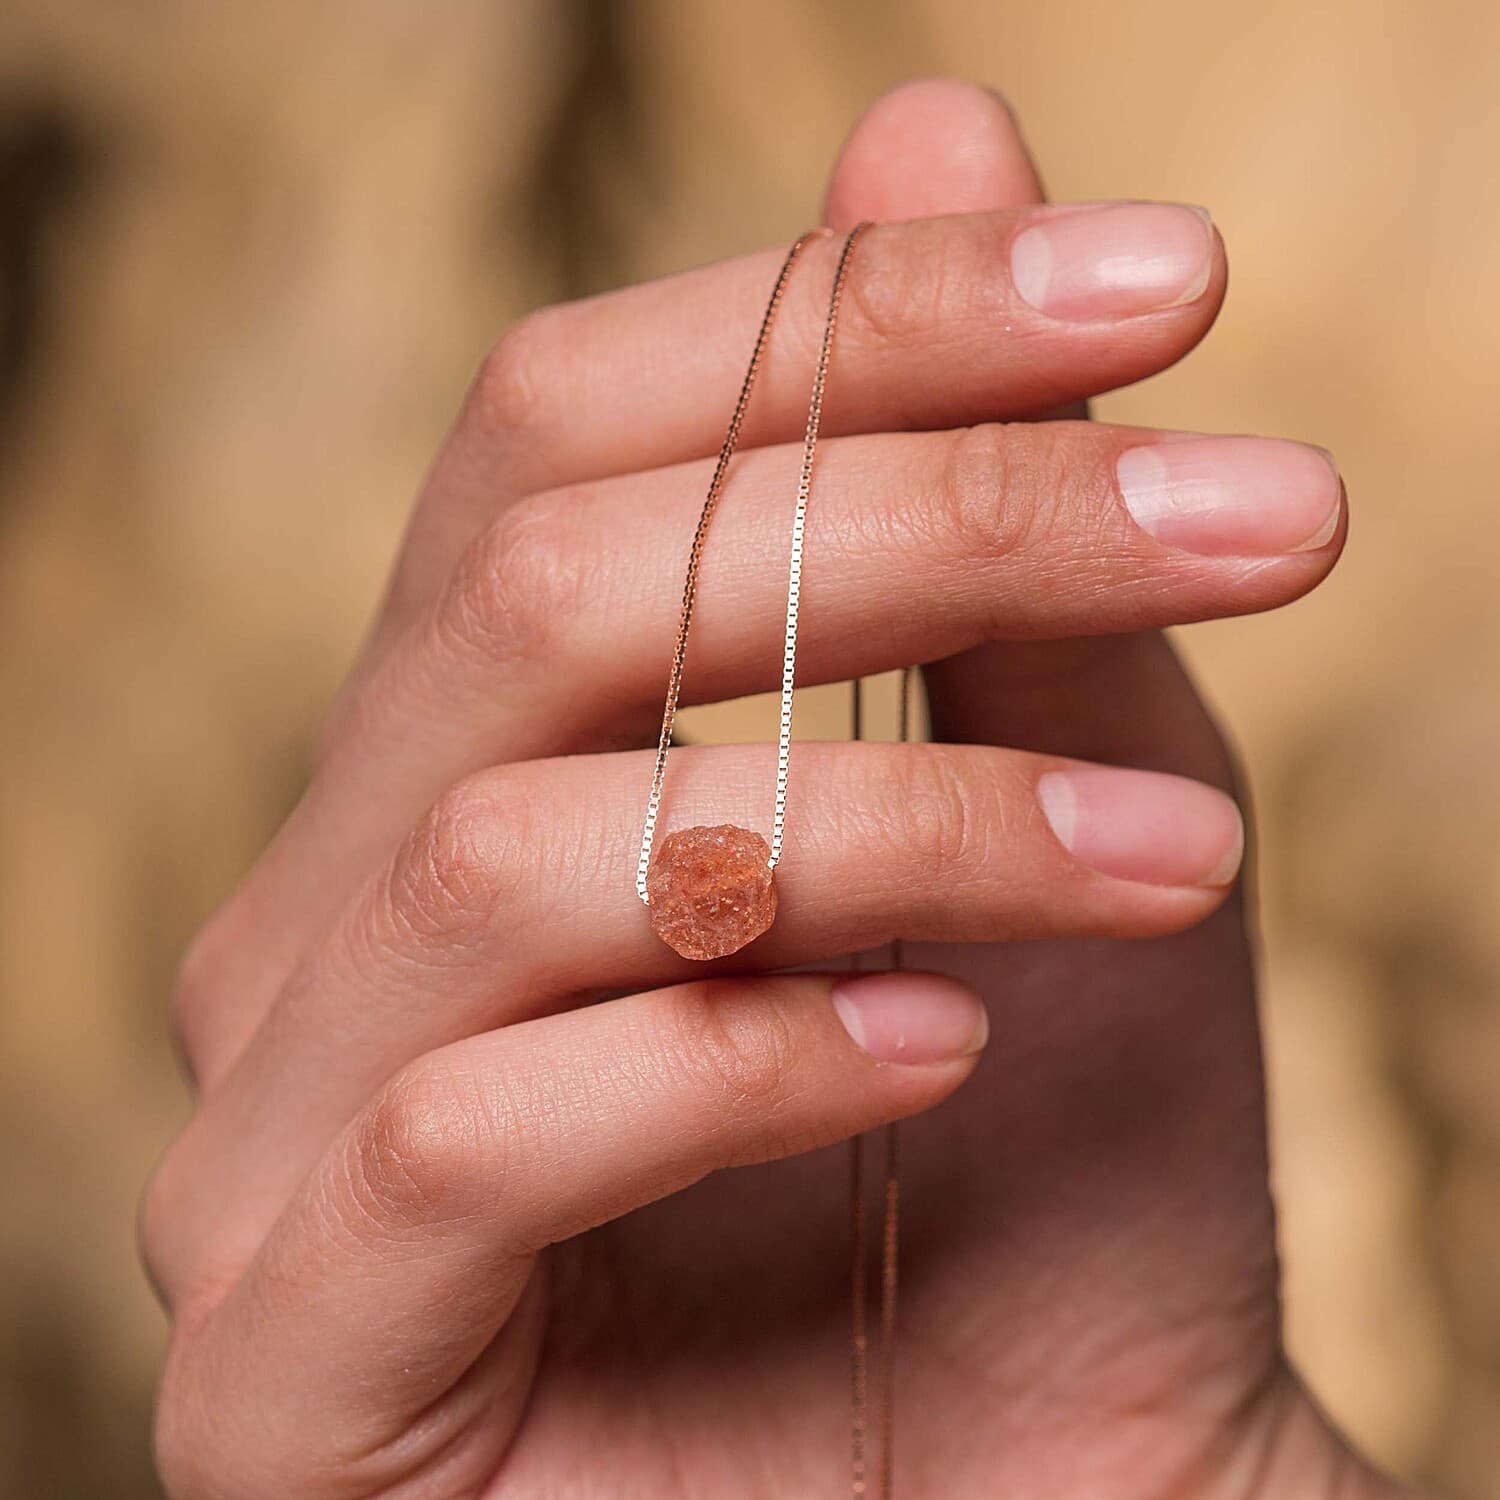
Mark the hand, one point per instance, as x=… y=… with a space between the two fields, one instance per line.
x=442 y=1227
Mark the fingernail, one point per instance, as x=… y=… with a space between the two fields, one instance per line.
x=1245 y=496
x=911 y=1018
x=1144 y=826
x=1114 y=261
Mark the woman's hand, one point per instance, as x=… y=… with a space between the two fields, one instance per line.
x=441 y=1226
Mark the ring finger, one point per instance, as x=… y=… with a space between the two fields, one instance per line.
x=552 y=634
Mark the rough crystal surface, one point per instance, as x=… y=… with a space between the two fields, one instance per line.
x=710 y=890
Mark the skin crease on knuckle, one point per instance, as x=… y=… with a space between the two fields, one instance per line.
x=507 y=399
x=988 y=502
x=948 y=822
x=468 y=862
x=943 y=820
x=422 y=1156
x=515 y=590
x=920 y=277
x=741 y=1048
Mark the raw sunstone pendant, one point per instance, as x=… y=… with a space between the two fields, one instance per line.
x=711 y=890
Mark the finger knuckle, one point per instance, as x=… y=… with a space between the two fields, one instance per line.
x=414 y=1159
x=738 y=1047
x=517 y=589
x=920 y=282
x=942 y=815
x=460 y=868
x=506 y=395
x=989 y=485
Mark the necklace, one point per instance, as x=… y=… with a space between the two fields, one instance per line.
x=711 y=890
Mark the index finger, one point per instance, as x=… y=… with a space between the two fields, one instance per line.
x=947 y=322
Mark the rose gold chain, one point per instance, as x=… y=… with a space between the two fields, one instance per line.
x=794 y=578
x=799 y=524
x=695 y=552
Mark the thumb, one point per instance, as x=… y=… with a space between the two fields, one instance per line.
x=927 y=147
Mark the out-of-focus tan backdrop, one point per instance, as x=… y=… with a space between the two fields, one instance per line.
x=250 y=255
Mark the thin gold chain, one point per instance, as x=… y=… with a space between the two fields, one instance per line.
x=695 y=552
x=794 y=571
x=799 y=525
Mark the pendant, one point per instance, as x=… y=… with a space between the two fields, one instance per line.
x=711 y=890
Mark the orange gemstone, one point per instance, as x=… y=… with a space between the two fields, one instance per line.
x=710 y=890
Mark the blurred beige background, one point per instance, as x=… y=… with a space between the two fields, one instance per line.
x=250 y=255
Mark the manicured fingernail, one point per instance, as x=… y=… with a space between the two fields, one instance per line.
x=911 y=1018
x=1115 y=261
x=1144 y=826
x=1245 y=496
